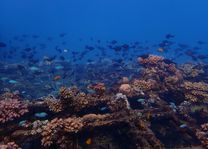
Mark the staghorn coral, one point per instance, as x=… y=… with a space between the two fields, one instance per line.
x=158 y=123
x=38 y=126
x=10 y=145
x=196 y=91
x=11 y=109
x=49 y=133
x=150 y=60
x=57 y=127
x=144 y=85
x=202 y=135
x=161 y=74
x=9 y=95
x=191 y=70
x=53 y=104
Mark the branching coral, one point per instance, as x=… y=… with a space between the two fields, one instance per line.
x=150 y=60
x=196 y=91
x=53 y=104
x=38 y=126
x=11 y=109
x=57 y=127
x=191 y=71
x=10 y=145
x=203 y=135
x=143 y=111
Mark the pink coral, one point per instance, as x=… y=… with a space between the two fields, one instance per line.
x=11 y=109
x=125 y=88
x=151 y=59
x=10 y=145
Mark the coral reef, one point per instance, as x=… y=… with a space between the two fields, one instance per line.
x=202 y=135
x=159 y=108
x=11 y=109
x=196 y=91
x=191 y=70
x=10 y=145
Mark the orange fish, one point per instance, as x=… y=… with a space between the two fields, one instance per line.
x=56 y=78
x=88 y=141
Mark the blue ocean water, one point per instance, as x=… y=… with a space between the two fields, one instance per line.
x=89 y=32
x=104 y=74
x=125 y=21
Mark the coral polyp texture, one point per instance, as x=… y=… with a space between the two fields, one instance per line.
x=11 y=109
x=163 y=105
x=10 y=145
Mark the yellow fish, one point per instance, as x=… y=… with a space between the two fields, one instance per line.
x=88 y=141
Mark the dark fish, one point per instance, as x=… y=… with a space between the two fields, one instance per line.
x=125 y=46
x=90 y=60
x=183 y=46
x=24 y=35
x=15 y=37
x=201 y=42
x=202 y=57
x=42 y=45
x=169 y=36
x=58 y=50
x=35 y=36
x=34 y=61
x=164 y=43
x=62 y=34
x=191 y=54
x=117 y=48
x=113 y=42
x=50 y=38
x=75 y=53
x=62 y=58
x=89 y=48
x=28 y=49
x=2 y=45
x=23 y=56
x=21 y=67
x=64 y=43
